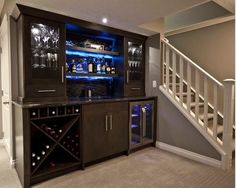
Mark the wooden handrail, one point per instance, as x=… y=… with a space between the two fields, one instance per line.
x=192 y=63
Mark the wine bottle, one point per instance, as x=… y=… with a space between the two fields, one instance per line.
x=43 y=152
x=33 y=155
x=38 y=158
x=33 y=164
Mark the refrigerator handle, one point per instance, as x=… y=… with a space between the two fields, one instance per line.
x=144 y=121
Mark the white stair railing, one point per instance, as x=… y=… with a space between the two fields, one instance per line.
x=190 y=85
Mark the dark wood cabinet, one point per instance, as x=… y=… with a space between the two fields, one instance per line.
x=134 y=51
x=104 y=130
x=42 y=58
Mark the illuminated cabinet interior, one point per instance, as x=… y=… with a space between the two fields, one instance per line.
x=94 y=63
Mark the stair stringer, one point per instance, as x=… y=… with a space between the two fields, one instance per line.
x=199 y=127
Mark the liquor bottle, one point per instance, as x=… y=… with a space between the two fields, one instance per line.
x=113 y=70
x=103 y=68
x=67 y=67
x=99 y=66
x=108 y=69
x=73 y=66
x=90 y=66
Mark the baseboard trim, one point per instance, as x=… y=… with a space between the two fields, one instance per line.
x=189 y=154
x=12 y=163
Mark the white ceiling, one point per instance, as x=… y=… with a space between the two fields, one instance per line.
x=123 y=14
x=1 y=5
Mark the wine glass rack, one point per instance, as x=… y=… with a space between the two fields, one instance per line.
x=55 y=139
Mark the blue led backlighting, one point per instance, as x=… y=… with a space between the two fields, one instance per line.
x=85 y=54
x=88 y=77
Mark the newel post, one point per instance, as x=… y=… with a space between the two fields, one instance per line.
x=228 y=121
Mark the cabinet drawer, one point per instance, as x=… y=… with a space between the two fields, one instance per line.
x=45 y=91
x=134 y=90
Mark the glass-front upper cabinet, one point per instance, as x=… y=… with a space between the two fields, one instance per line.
x=44 y=64
x=135 y=67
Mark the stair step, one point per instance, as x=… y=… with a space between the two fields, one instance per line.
x=193 y=104
x=219 y=128
x=209 y=116
x=185 y=94
x=177 y=84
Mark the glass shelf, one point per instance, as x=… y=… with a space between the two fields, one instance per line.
x=89 y=50
x=68 y=75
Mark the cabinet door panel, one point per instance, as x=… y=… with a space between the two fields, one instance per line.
x=135 y=67
x=118 y=125
x=44 y=56
x=95 y=133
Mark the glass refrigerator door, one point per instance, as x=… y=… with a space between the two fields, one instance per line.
x=44 y=51
x=135 y=59
x=135 y=124
x=148 y=121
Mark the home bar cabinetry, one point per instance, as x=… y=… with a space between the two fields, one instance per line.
x=78 y=82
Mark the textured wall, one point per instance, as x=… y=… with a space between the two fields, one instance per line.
x=172 y=127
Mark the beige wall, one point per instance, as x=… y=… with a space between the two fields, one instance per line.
x=211 y=48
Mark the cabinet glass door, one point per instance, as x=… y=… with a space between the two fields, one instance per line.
x=135 y=125
x=135 y=61
x=148 y=121
x=45 y=51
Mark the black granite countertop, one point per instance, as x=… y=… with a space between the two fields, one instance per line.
x=77 y=101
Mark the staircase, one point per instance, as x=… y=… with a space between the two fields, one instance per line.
x=203 y=100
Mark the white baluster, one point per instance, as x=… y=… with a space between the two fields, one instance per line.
x=188 y=86
x=228 y=120
x=174 y=73
x=167 y=67
x=205 y=102
x=163 y=62
x=197 y=95
x=215 y=105
x=181 y=74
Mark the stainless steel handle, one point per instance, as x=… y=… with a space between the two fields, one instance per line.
x=106 y=122
x=135 y=88
x=127 y=76
x=6 y=102
x=46 y=91
x=62 y=74
x=111 y=125
x=144 y=121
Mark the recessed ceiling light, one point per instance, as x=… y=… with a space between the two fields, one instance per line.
x=104 y=20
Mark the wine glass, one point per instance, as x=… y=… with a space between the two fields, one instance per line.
x=36 y=35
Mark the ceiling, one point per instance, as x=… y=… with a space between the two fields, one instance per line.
x=130 y=15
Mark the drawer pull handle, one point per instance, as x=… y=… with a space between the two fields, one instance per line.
x=106 y=122
x=111 y=125
x=46 y=91
x=135 y=88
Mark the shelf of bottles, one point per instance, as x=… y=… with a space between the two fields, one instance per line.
x=135 y=58
x=55 y=139
x=44 y=50
x=90 y=58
